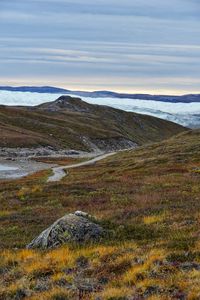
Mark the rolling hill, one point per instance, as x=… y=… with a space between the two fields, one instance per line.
x=70 y=123
x=149 y=199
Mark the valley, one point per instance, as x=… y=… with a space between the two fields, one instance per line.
x=117 y=192
x=148 y=200
x=99 y=150
x=70 y=127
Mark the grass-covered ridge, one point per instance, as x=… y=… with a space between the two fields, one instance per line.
x=71 y=123
x=149 y=198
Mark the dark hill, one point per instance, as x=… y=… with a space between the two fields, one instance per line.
x=70 y=123
x=54 y=90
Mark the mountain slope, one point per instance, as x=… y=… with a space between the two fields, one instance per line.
x=149 y=198
x=71 y=123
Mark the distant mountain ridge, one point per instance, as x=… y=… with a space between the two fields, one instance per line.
x=54 y=90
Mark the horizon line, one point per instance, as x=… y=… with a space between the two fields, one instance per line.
x=105 y=90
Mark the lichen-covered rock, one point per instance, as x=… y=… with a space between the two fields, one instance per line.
x=77 y=227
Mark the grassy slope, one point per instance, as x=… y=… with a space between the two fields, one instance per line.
x=149 y=198
x=64 y=128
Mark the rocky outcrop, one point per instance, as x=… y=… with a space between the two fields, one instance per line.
x=66 y=102
x=42 y=151
x=75 y=228
x=113 y=144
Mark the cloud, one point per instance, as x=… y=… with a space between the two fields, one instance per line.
x=103 y=38
x=155 y=8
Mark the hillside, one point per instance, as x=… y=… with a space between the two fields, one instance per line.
x=71 y=123
x=149 y=198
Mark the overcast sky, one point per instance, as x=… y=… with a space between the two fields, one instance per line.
x=128 y=45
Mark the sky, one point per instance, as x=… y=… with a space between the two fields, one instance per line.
x=129 y=46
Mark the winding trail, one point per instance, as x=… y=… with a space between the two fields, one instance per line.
x=59 y=173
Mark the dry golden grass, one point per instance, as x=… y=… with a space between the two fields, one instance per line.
x=154 y=219
x=148 y=199
x=120 y=272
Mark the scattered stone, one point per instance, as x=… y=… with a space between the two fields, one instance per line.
x=179 y=296
x=151 y=290
x=138 y=261
x=86 y=284
x=14 y=154
x=42 y=285
x=21 y=294
x=68 y=271
x=158 y=262
x=176 y=293
x=82 y=262
x=103 y=280
x=80 y=213
x=189 y=266
x=71 y=228
x=64 y=283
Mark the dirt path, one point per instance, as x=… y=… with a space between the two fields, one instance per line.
x=59 y=173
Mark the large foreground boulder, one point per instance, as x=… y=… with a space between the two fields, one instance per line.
x=77 y=227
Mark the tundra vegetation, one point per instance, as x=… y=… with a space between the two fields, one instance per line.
x=70 y=123
x=149 y=201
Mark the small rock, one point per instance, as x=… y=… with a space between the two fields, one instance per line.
x=41 y=285
x=64 y=283
x=179 y=296
x=82 y=262
x=80 y=213
x=86 y=284
x=103 y=280
x=68 y=271
x=20 y=294
x=188 y=266
x=151 y=290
